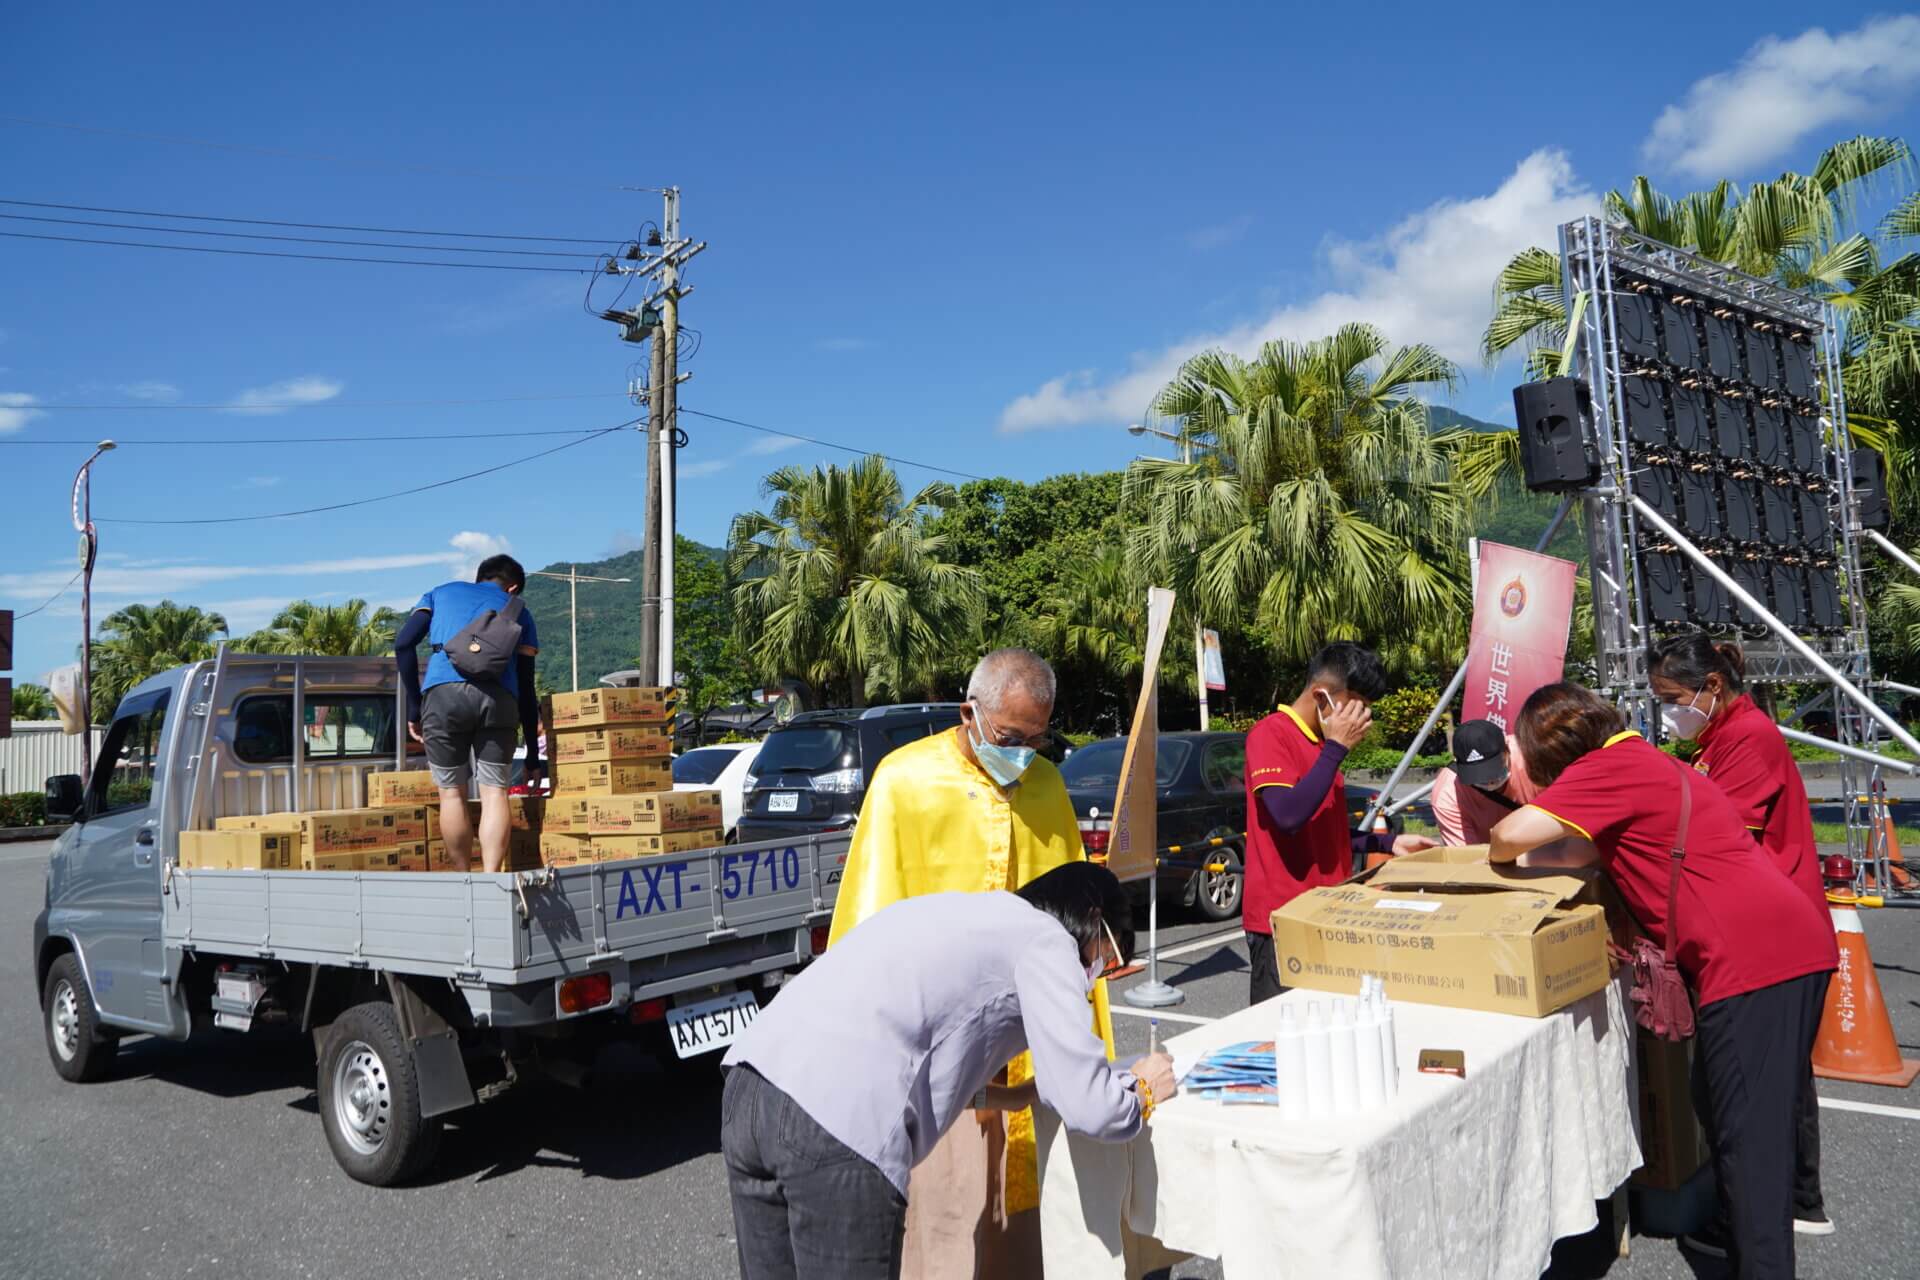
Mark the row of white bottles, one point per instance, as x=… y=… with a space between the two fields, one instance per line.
x=1339 y=1058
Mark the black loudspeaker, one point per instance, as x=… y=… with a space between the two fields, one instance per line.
x=1646 y=411
x=1776 y=515
x=1633 y=320
x=1763 y=359
x=1743 y=510
x=1557 y=448
x=1789 y=594
x=1722 y=334
x=1770 y=436
x=1816 y=530
x=1699 y=505
x=1712 y=606
x=1804 y=444
x=1677 y=335
x=1664 y=575
x=1796 y=368
x=1691 y=429
x=1869 y=489
x=1730 y=428
x=1824 y=610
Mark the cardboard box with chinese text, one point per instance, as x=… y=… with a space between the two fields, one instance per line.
x=240 y=850
x=413 y=787
x=620 y=742
x=605 y=778
x=585 y=708
x=654 y=813
x=613 y=848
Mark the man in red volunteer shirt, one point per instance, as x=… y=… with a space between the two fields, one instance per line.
x=1298 y=837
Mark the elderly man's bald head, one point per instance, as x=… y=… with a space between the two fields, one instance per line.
x=1015 y=688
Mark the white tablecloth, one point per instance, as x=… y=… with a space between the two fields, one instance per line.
x=1455 y=1178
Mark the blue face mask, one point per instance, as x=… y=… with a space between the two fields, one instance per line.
x=1003 y=764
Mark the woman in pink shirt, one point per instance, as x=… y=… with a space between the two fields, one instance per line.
x=1487 y=782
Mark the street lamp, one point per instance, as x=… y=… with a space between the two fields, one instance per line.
x=1199 y=632
x=573 y=579
x=89 y=547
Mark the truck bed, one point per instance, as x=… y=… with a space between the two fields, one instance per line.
x=511 y=928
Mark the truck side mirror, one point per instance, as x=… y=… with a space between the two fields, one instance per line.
x=66 y=798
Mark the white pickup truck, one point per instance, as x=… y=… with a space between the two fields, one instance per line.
x=424 y=992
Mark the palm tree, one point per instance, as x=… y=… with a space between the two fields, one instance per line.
x=340 y=630
x=840 y=582
x=32 y=702
x=1097 y=616
x=1317 y=496
x=142 y=640
x=1788 y=229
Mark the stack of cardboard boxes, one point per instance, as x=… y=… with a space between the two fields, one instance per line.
x=613 y=780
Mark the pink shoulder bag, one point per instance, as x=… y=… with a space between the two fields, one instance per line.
x=1661 y=1001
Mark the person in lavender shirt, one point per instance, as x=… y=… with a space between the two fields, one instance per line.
x=850 y=1076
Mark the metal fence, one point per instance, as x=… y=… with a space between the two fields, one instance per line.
x=36 y=752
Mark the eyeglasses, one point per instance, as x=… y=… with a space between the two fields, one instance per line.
x=1039 y=742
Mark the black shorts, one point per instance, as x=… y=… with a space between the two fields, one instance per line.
x=470 y=733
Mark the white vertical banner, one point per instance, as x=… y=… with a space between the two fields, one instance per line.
x=1133 y=845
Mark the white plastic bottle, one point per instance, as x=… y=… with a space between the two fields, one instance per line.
x=1319 y=1072
x=1369 y=1080
x=1290 y=1065
x=1389 y=1051
x=1346 y=1092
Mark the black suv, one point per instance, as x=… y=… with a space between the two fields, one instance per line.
x=811 y=774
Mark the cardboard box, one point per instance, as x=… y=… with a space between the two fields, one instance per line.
x=612 y=848
x=1443 y=927
x=413 y=822
x=438 y=859
x=413 y=787
x=605 y=778
x=558 y=850
x=240 y=850
x=520 y=813
x=333 y=862
x=382 y=860
x=612 y=742
x=324 y=830
x=653 y=813
x=1672 y=1143
x=588 y=707
x=566 y=815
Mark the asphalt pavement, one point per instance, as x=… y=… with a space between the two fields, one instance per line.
x=207 y=1158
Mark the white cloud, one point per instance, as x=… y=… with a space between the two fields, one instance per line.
x=470 y=548
x=703 y=468
x=1732 y=122
x=16 y=410
x=842 y=344
x=159 y=392
x=1428 y=279
x=1220 y=234
x=771 y=444
x=291 y=393
x=258 y=482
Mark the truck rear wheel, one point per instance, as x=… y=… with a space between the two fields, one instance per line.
x=82 y=1050
x=370 y=1099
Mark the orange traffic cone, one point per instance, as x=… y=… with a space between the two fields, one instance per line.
x=1856 y=1036
x=1883 y=816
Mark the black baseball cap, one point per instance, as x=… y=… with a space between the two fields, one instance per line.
x=1479 y=753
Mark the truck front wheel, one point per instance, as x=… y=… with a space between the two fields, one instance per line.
x=82 y=1050
x=370 y=1098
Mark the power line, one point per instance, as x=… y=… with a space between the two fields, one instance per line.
x=385 y=497
x=311 y=257
x=343 y=404
x=299 y=226
x=90 y=441
x=262 y=235
x=828 y=444
x=50 y=599
x=280 y=154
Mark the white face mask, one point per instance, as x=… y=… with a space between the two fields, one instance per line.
x=1684 y=721
x=1099 y=965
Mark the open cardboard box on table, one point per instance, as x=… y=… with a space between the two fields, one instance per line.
x=1444 y=927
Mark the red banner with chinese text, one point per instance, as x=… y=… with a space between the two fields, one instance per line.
x=1522 y=611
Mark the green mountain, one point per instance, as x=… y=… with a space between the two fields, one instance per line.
x=609 y=618
x=1442 y=418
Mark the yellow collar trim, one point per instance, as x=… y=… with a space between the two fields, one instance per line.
x=1621 y=736
x=1294 y=716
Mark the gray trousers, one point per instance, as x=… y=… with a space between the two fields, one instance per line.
x=805 y=1205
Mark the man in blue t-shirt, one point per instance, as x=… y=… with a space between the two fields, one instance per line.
x=467 y=727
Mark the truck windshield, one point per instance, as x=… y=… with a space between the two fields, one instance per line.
x=1098 y=763
x=802 y=747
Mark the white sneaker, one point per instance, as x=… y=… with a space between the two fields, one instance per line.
x=1813 y=1226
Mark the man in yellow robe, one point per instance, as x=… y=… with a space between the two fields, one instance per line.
x=971 y=810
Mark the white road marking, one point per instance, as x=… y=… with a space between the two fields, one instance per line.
x=1844 y=1104
x=1191 y=1018
x=1214 y=940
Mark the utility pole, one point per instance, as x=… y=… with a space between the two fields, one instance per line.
x=89 y=552
x=573 y=579
x=657 y=319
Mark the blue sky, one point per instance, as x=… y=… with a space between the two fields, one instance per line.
x=978 y=243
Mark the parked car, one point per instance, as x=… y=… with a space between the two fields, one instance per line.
x=1201 y=781
x=722 y=767
x=811 y=774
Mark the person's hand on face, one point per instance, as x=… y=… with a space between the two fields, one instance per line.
x=1344 y=722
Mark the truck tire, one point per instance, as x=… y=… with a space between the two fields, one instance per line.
x=370 y=1098
x=82 y=1050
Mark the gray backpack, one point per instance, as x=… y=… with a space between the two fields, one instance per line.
x=482 y=651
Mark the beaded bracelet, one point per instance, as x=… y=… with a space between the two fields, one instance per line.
x=1145 y=1091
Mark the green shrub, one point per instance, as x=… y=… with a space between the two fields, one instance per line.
x=23 y=809
x=1367 y=758
x=1399 y=715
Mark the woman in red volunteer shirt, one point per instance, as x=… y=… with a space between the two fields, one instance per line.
x=1755 y=956
x=1701 y=689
